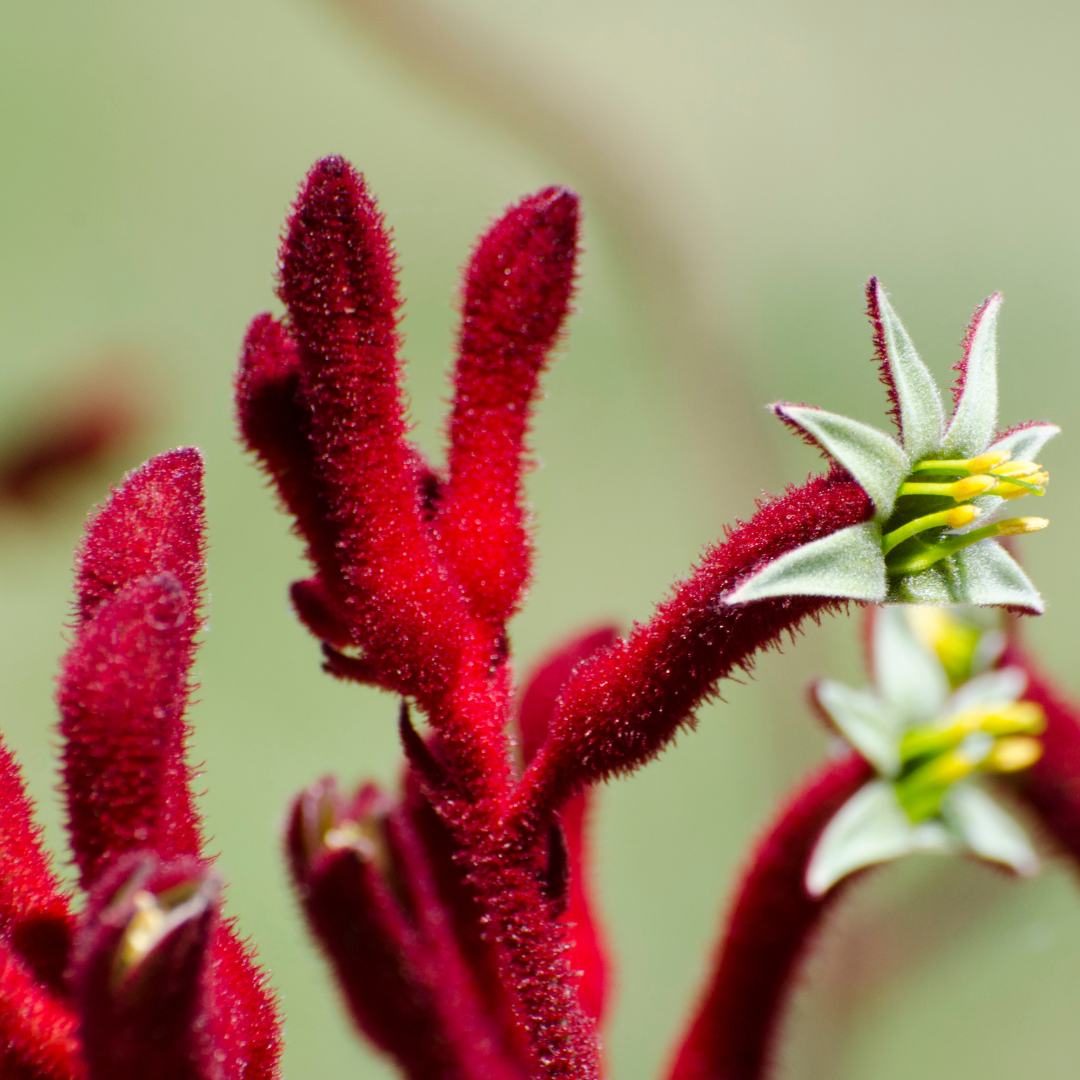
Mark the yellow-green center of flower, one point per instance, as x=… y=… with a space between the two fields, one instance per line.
x=995 y=738
x=937 y=497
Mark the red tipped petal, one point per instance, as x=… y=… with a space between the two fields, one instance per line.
x=34 y=916
x=960 y=367
x=771 y=923
x=873 y=313
x=123 y=691
x=338 y=281
x=517 y=293
x=152 y=522
x=38 y=1038
x=625 y=703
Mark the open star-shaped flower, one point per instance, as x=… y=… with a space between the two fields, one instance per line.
x=937 y=492
x=927 y=742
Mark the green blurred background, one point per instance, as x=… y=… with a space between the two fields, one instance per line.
x=744 y=167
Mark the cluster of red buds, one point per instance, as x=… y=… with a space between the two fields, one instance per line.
x=456 y=912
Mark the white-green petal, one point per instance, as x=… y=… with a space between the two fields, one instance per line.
x=846 y=564
x=865 y=721
x=989 y=576
x=975 y=418
x=876 y=461
x=908 y=676
x=922 y=419
x=984 y=827
x=871 y=827
x=1027 y=443
x=1005 y=685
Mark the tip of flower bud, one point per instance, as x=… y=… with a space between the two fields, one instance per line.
x=1021 y=525
x=158 y=915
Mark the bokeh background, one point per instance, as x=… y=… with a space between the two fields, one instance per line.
x=744 y=167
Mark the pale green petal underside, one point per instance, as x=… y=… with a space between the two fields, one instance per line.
x=983 y=574
x=975 y=418
x=871 y=456
x=863 y=719
x=1027 y=443
x=990 y=577
x=847 y=564
x=988 y=830
x=907 y=674
x=992 y=687
x=871 y=827
x=922 y=419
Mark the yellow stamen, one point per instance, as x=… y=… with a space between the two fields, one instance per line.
x=955 y=518
x=960 y=490
x=1012 y=754
x=1016 y=468
x=982 y=463
x=1020 y=526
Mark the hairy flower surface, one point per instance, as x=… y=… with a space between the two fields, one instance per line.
x=937 y=491
x=149 y=981
x=927 y=745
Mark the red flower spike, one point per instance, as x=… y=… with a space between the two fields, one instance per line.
x=139 y=971
x=37 y=1031
x=772 y=919
x=153 y=522
x=623 y=705
x=338 y=282
x=392 y=979
x=34 y=916
x=123 y=691
x=517 y=292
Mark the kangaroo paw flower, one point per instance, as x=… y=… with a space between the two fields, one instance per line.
x=928 y=487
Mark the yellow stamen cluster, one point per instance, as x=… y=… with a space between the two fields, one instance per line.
x=988 y=738
x=992 y=473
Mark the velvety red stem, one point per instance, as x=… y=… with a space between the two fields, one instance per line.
x=517 y=291
x=622 y=706
x=771 y=923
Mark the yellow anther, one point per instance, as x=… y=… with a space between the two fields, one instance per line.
x=1016 y=468
x=1012 y=754
x=960 y=516
x=971 y=486
x=920 y=792
x=1021 y=525
x=1015 y=718
x=985 y=462
x=982 y=463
